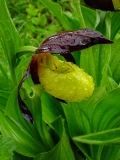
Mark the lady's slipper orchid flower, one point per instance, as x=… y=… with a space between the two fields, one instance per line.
x=107 y=5
x=63 y=80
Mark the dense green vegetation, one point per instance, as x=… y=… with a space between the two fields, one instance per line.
x=33 y=20
x=89 y=129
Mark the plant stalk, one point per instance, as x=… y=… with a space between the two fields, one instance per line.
x=77 y=5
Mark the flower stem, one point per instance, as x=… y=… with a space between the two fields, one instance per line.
x=79 y=13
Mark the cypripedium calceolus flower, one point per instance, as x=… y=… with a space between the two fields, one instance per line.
x=107 y=5
x=62 y=79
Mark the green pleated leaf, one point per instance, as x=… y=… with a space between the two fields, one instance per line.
x=87 y=60
x=99 y=113
x=10 y=38
x=51 y=108
x=106 y=113
x=115 y=25
x=62 y=150
x=26 y=144
x=4 y=79
x=45 y=140
x=100 y=21
x=7 y=146
x=106 y=153
x=104 y=117
x=78 y=115
x=17 y=156
x=9 y=49
x=115 y=61
x=109 y=138
x=25 y=134
x=6 y=19
x=110 y=151
x=105 y=137
x=106 y=22
x=82 y=113
x=89 y=16
x=3 y=99
x=112 y=84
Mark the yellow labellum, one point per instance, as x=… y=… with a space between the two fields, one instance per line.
x=63 y=80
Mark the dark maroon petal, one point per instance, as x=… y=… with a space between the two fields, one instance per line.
x=34 y=70
x=106 y=5
x=24 y=109
x=71 y=41
x=69 y=57
x=27 y=73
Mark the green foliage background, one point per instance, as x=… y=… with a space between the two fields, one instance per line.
x=33 y=20
x=76 y=130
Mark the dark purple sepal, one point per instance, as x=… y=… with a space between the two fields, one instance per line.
x=25 y=111
x=71 y=41
x=23 y=108
x=34 y=70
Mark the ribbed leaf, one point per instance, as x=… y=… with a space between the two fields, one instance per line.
x=99 y=113
x=105 y=137
x=9 y=49
x=89 y=16
x=100 y=21
x=3 y=99
x=25 y=134
x=34 y=103
x=79 y=115
x=109 y=138
x=115 y=61
x=4 y=80
x=115 y=24
x=17 y=156
x=106 y=153
x=10 y=38
x=6 y=19
x=108 y=107
x=62 y=151
x=7 y=146
x=51 y=108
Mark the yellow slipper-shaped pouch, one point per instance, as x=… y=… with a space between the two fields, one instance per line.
x=63 y=80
